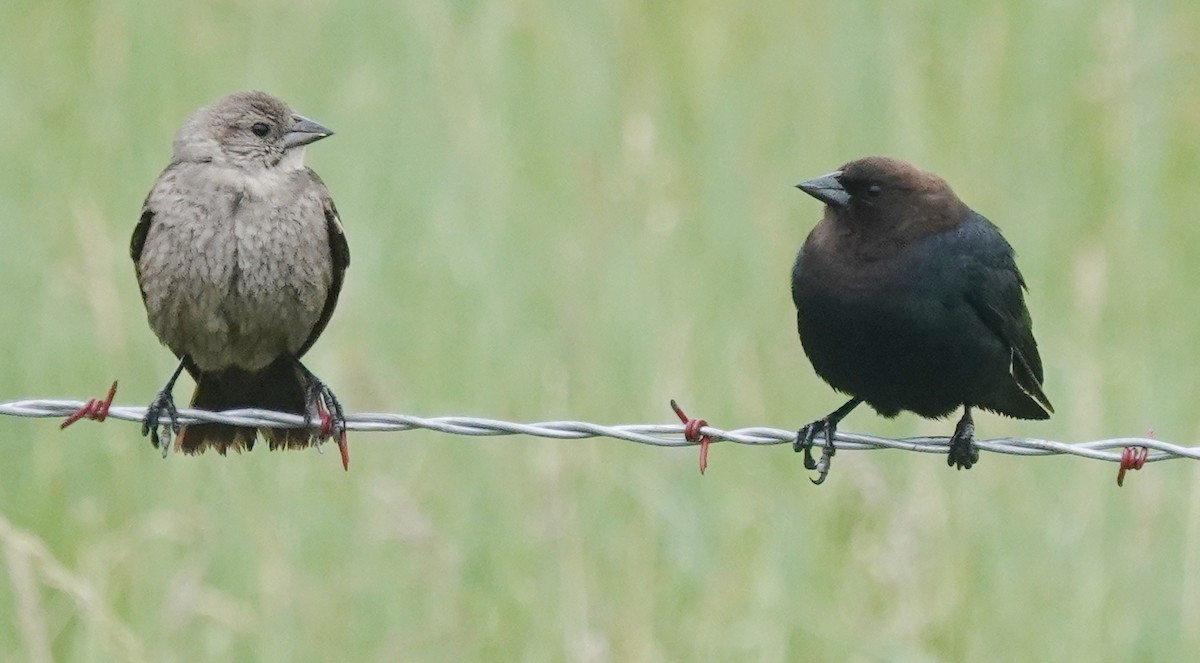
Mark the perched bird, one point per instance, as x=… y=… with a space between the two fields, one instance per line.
x=240 y=255
x=907 y=299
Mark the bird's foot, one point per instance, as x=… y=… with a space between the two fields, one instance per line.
x=963 y=452
x=805 y=438
x=162 y=406
x=325 y=407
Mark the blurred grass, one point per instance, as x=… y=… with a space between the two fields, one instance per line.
x=582 y=210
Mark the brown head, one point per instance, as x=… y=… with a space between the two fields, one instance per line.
x=246 y=130
x=884 y=201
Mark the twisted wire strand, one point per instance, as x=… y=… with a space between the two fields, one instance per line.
x=659 y=435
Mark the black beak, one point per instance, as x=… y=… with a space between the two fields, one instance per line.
x=827 y=189
x=304 y=131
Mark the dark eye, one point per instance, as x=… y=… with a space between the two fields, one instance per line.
x=260 y=129
x=874 y=190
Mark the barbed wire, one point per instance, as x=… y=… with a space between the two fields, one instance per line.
x=659 y=435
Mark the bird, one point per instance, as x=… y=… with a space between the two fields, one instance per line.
x=909 y=300
x=240 y=255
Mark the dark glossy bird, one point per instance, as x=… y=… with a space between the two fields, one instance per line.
x=240 y=256
x=907 y=299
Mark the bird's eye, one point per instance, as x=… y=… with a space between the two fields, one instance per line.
x=874 y=190
x=260 y=129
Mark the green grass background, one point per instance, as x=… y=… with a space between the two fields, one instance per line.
x=581 y=210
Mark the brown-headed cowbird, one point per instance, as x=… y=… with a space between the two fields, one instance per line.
x=240 y=255
x=907 y=299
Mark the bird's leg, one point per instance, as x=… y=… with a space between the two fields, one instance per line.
x=322 y=405
x=826 y=426
x=963 y=452
x=163 y=404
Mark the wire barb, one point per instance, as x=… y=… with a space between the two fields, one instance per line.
x=692 y=432
x=95 y=409
x=332 y=428
x=1133 y=458
x=659 y=435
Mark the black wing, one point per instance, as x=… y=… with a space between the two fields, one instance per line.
x=138 y=241
x=998 y=297
x=339 y=254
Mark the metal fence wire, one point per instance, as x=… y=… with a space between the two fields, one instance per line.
x=1128 y=452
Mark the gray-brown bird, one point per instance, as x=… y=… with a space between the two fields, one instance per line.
x=240 y=255
x=907 y=299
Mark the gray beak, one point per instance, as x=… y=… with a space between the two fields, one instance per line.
x=304 y=131
x=827 y=189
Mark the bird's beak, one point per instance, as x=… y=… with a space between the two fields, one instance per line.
x=827 y=189
x=304 y=131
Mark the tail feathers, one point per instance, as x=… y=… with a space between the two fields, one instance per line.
x=279 y=387
x=288 y=438
x=197 y=438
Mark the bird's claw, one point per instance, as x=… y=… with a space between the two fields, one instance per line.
x=163 y=404
x=325 y=407
x=804 y=442
x=963 y=453
x=324 y=423
x=805 y=439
